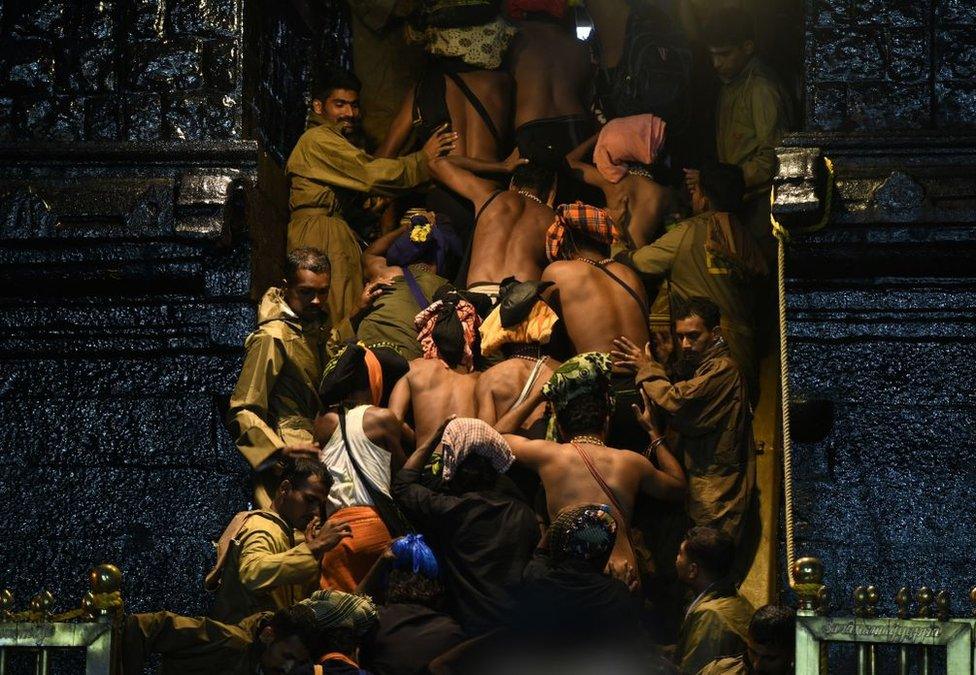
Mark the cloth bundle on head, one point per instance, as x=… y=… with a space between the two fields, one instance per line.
x=412 y=553
x=588 y=220
x=517 y=9
x=467 y=436
x=336 y=609
x=481 y=46
x=521 y=316
x=447 y=330
x=584 y=375
x=344 y=372
x=584 y=532
x=636 y=139
x=429 y=235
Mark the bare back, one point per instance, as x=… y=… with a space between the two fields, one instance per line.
x=510 y=240
x=437 y=392
x=639 y=205
x=493 y=89
x=500 y=386
x=594 y=308
x=552 y=72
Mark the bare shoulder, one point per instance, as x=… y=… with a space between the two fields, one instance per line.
x=382 y=417
x=561 y=269
x=627 y=274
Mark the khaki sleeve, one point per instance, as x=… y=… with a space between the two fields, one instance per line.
x=655 y=260
x=768 y=119
x=205 y=641
x=334 y=160
x=249 y=417
x=707 y=640
x=374 y=14
x=262 y=569
x=674 y=397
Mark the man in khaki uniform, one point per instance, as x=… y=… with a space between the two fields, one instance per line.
x=706 y=403
x=771 y=648
x=717 y=621
x=752 y=114
x=332 y=177
x=264 y=562
x=708 y=255
x=383 y=61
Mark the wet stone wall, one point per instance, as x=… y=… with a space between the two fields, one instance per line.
x=881 y=332
x=890 y=64
x=137 y=70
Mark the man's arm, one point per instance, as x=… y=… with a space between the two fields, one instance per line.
x=419 y=500
x=374 y=257
x=513 y=420
x=419 y=458
x=248 y=417
x=471 y=187
x=666 y=481
x=587 y=172
x=531 y=454
x=707 y=638
x=654 y=260
x=400 y=127
x=674 y=397
x=399 y=403
x=768 y=119
x=261 y=568
x=481 y=166
x=485 y=399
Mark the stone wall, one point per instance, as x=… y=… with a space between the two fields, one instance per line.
x=880 y=317
x=137 y=70
x=890 y=64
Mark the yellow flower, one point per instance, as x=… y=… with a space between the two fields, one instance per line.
x=419 y=233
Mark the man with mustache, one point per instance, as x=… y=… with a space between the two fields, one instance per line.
x=706 y=402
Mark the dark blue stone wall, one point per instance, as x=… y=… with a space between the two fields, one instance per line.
x=890 y=64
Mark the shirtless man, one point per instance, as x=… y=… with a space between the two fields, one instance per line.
x=579 y=394
x=636 y=203
x=552 y=73
x=520 y=329
x=441 y=383
x=592 y=295
x=510 y=225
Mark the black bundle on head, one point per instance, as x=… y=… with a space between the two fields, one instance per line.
x=344 y=374
x=448 y=334
x=723 y=185
x=517 y=298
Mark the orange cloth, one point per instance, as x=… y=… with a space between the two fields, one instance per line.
x=348 y=563
x=375 y=372
x=536 y=329
x=637 y=139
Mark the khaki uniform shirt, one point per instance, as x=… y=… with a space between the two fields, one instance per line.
x=680 y=255
x=716 y=625
x=383 y=61
x=265 y=569
x=712 y=416
x=328 y=177
x=752 y=116
x=193 y=645
x=391 y=319
x=276 y=398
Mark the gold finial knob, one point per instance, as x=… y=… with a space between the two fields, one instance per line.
x=902 y=599
x=6 y=604
x=808 y=582
x=972 y=599
x=924 y=597
x=942 y=605
x=871 y=602
x=89 y=610
x=860 y=601
x=105 y=579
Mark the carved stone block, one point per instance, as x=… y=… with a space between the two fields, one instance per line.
x=205 y=17
x=167 y=65
x=198 y=117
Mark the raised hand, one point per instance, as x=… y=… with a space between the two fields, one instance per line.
x=323 y=537
x=440 y=143
x=628 y=356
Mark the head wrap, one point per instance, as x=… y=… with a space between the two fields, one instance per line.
x=517 y=9
x=585 y=375
x=585 y=532
x=335 y=609
x=589 y=220
x=383 y=365
x=412 y=553
x=447 y=330
x=481 y=46
x=723 y=184
x=428 y=235
x=521 y=316
x=466 y=436
x=634 y=139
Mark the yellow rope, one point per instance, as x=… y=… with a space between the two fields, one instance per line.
x=783 y=236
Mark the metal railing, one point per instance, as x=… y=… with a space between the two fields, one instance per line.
x=916 y=638
x=94 y=627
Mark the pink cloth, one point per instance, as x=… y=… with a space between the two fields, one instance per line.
x=627 y=139
x=465 y=436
